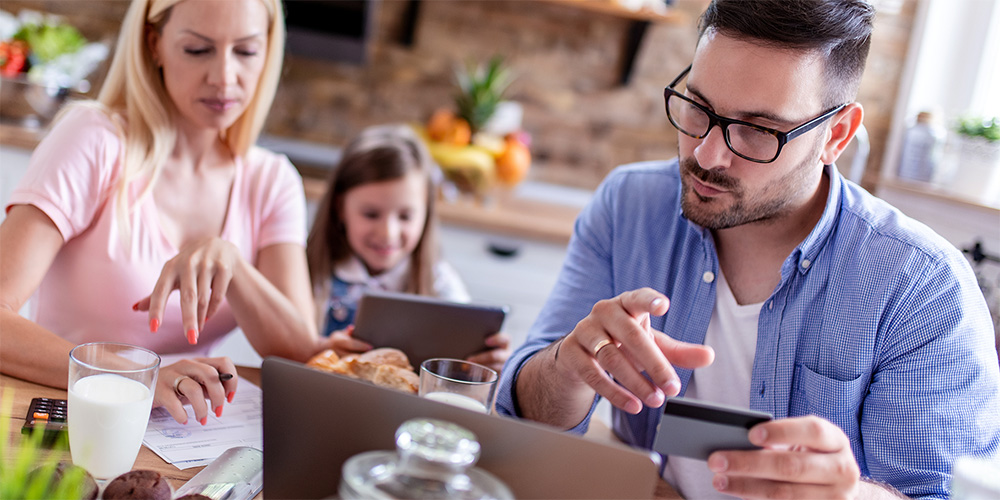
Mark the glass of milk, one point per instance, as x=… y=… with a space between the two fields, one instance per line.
x=458 y=382
x=110 y=390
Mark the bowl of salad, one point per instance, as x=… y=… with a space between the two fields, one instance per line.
x=43 y=61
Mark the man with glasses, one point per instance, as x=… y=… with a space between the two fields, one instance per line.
x=749 y=272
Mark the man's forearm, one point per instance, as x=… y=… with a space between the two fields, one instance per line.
x=874 y=490
x=551 y=395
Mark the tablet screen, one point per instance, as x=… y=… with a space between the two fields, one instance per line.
x=426 y=327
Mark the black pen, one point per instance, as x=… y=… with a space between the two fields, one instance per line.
x=225 y=376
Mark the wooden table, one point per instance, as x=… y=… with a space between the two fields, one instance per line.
x=22 y=391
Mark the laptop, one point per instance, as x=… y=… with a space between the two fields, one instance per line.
x=314 y=421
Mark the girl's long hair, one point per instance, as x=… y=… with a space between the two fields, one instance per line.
x=380 y=153
x=134 y=96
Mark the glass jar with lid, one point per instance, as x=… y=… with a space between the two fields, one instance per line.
x=433 y=459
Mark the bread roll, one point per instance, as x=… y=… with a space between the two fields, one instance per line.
x=387 y=356
x=394 y=377
x=325 y=360
x=386 y=367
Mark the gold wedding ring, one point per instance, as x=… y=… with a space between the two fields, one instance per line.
x=601 y=345
x=177 y=384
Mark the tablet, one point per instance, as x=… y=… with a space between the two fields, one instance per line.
x=694 y=429
x=426 y=327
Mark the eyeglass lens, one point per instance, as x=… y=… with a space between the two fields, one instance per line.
x=745 y=141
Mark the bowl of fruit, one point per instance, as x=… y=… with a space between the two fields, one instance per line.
x=478 y=143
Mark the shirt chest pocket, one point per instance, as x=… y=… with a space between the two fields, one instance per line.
x=838 y=401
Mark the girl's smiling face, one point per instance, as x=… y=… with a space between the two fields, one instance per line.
x=385 y=220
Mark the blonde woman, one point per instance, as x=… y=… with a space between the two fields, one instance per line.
x=157 y=187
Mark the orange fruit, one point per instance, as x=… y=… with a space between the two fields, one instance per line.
x=513 y=163
x=439 y=124
x=446 y=126
x=459 y=134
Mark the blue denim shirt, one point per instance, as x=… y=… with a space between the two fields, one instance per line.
x=877 y=325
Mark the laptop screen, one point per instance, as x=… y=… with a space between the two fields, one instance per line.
x=314 y=421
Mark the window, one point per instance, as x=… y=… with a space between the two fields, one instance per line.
x=952 y=68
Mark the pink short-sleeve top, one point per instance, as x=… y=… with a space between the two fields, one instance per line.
x=88 y=292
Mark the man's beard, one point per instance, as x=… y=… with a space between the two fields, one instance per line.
x=712 y=213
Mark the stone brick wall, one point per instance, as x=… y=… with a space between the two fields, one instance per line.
x=568 y=60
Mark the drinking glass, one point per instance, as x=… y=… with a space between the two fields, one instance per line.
x=110 y=390
x=458 y=382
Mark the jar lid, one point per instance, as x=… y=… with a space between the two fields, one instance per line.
x=434 y=461
x=438 y=441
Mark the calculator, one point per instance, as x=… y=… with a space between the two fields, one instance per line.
x=49 y=413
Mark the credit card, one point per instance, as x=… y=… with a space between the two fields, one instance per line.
x=694 y=429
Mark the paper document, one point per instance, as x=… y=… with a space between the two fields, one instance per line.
x=195 y=445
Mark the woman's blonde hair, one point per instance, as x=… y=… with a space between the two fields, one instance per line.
x=380 y=153
x=133 y=91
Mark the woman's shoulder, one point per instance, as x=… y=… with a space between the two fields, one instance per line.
x=88 y=121
x=267 y=165
x=87 y=115
x=263 y=158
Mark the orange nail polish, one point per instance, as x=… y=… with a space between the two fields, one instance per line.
x=154 y=325
x=204 y=420
x=218 y=411
x=135 y=307
x=192 y=336
x=185 y=422
x=229 y=397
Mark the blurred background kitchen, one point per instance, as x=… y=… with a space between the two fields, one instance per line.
x=586 y=94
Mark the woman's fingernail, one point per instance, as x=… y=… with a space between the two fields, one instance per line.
x=229 y=397
x=135 y=307
x=154 y=325
x=218 y=411
x=204 y=420
x=185 y=422
x=192 y=336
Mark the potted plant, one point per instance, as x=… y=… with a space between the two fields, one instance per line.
x=33 y=472
x=975 y=153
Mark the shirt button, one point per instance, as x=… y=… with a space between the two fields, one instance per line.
x=770 y=305
x=708 y=277
x=805 y=263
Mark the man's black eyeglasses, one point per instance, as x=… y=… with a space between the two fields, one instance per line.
x=746 y=140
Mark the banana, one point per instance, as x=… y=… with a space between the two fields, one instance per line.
x=471 y=167
x=450 y=156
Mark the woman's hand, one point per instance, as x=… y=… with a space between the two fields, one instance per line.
x=497 y=355
x=343 y=343
x=193 y=381
x=202 y=271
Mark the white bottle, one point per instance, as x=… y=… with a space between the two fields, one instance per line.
x=922 y=149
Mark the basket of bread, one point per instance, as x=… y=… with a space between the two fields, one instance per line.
x=384 y=367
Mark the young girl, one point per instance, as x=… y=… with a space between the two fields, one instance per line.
x=376 y=229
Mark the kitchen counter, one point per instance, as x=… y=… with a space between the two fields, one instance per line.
x=20 y=137
x=507 y=213
x=532 y=210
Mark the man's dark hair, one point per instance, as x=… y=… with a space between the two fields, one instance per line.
x=840 y=30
